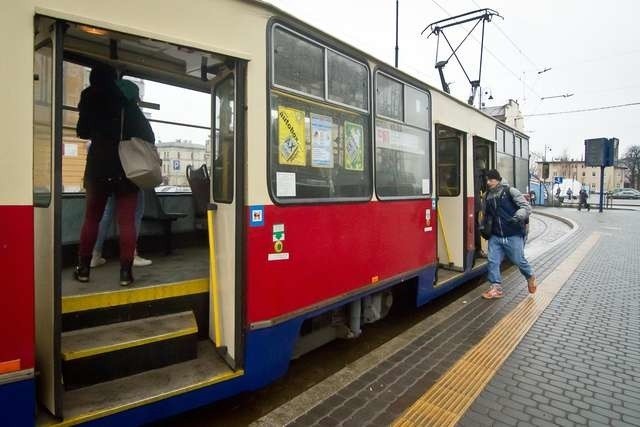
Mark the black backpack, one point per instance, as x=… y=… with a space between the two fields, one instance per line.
x=487 y=223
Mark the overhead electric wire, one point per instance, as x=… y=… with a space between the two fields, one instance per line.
x=599 y=59
x=520 y=51
x=607 y=107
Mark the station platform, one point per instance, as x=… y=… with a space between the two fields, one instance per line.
x=567 y=355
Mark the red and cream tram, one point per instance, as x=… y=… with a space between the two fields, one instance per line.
x=336 y=180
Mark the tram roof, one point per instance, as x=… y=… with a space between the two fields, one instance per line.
x=268 y=5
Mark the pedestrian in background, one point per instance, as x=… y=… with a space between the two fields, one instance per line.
x=506 y=211
x=583 y=196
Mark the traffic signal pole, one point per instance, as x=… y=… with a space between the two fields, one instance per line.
x=601 y=187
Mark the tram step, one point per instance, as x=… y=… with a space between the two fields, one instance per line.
x=101 y=308
x=103 y=353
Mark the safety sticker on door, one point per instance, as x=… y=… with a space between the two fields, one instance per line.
x=278 y=232
x=427 y=220
x=278 y=245
x=256 y=216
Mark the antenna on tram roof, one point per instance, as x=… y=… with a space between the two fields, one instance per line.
x=438 y=27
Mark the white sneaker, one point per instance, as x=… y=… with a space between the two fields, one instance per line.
x=138 y=261
x=97 y=260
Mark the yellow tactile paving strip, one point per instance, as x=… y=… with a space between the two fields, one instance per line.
x=450 y=397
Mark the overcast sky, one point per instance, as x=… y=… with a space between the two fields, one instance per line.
x=591 y=47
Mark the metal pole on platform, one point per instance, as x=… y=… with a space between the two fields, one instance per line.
x=541 y=195
x=601 y=187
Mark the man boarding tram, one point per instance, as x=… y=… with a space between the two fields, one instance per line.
x=505 y=226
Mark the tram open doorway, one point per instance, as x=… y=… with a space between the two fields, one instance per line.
x=91 y=338
x=450 y=184
x=483 y=160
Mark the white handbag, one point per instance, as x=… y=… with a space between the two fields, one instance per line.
x=140 y=160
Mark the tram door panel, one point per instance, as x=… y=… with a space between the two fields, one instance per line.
x=482 y=162
x=47 y=186
x=450 y=179
x=223 y=185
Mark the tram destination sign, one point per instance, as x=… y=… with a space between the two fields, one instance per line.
x=600 y=151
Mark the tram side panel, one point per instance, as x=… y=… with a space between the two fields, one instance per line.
x=16 y=315
x=326 y=252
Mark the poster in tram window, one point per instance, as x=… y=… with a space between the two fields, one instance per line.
x=292 y=147
x=353 y=146
x=321 y=147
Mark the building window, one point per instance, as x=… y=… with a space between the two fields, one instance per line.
x=593 y=174
x=583 y=174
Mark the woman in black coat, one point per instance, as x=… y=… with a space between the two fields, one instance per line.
x=103 y=111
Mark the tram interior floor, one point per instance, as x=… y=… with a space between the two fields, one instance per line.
x=183 y=264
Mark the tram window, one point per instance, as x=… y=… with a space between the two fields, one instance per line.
x=74 y=155
x=525 y=148
x=416 y=108
x=500 y=139
x=42 y=114
x=505 y=167
x=448 y=166
x=348 y=81
x=180 y=118
x=402 y=160
x=508 y=143
x=223 y=164
x=298 y=64
x=318 y=151
x=518 y=146
x=389 y=97
x=402 y=149
x=181 y=121
x=522 y=174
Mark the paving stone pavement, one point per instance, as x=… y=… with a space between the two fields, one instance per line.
x=580 y=362
x=381 y=394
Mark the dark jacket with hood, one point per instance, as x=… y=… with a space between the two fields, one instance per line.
x=509 y=211
x=101 y=107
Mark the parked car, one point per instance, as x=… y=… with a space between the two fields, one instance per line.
x=626 y=193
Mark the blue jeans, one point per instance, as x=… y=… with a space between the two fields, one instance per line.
x=107 y=220
x=513 y=248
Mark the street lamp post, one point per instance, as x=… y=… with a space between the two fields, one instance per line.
x=539 y=180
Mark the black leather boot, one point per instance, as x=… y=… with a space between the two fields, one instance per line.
x=126 y=274
x=83 y=269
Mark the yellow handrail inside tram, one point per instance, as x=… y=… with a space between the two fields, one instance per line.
x=444 y=236
x=213 y=278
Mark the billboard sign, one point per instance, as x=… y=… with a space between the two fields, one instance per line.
x=600 y=151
